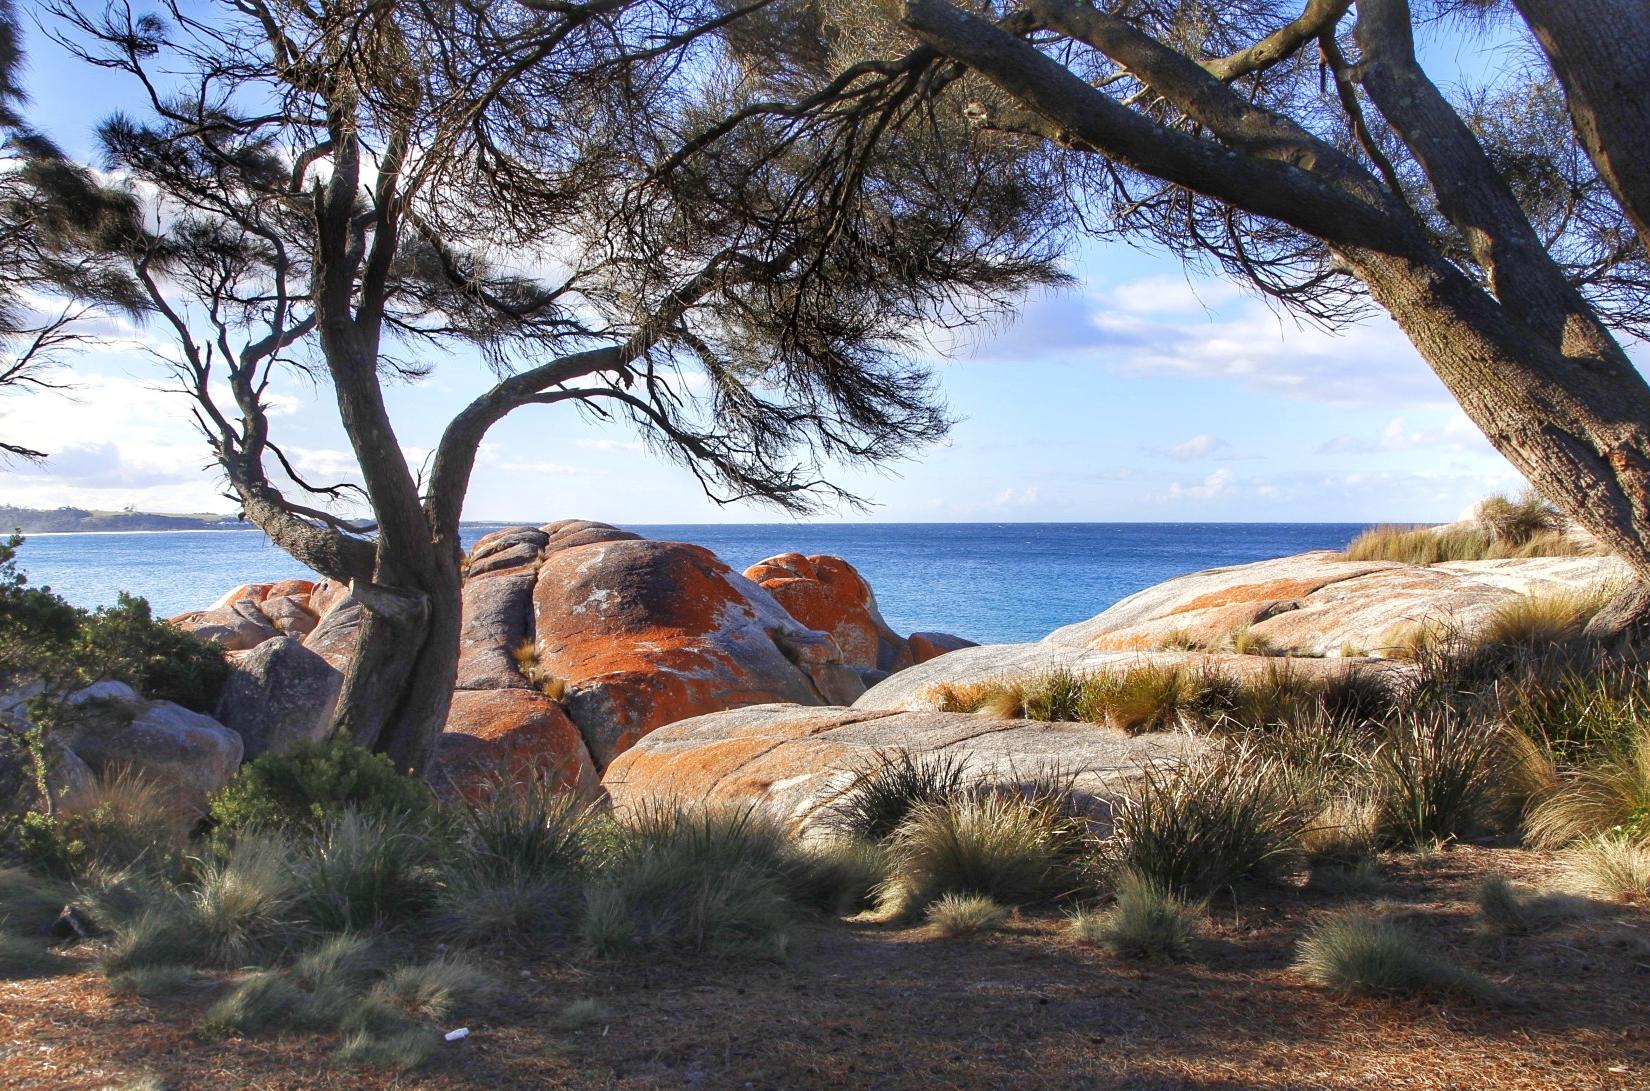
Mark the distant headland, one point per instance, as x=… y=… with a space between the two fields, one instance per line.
x=73 y=520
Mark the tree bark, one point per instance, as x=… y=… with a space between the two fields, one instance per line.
x=1600 y=51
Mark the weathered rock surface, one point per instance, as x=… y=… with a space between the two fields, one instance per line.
x=497 y=620
x=1317 y=604
x=190 y=754
x=333 y=639
x=69 y=779
x=828 y=594
x=926 y=646
x=913 y=689
x=252 y=613
x=278 y=695
x=515 y=734
x=796 y=762
x=645 y=633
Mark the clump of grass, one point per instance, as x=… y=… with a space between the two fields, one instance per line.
x=1542 y=619
x=149 y=982
x=1347 y=878
x=1504 y=908
x=22 y=958
x=1516 y=522
x=954 y=915
x=29 y=902
x=1147 y=921
x=1428 y=545
x=1614 y=867
x=1361 y=953
x=1422 y=640
x=693 y=881
x=241 y=899
x=320 y=991
x=582 y=1013
x=1245 y=641
x=163 y=933
x=400 y=1049
x=1001 y=845
x=885 y=792
x=527 y=659
x=432 y=990
x=363 y=871
x=1345 y=831
x=1433 y=769
x=1210 y=821
x=1610 y=792
x=840 y=875
x=126 y=821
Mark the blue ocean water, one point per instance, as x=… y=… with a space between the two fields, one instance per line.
x=989 y=582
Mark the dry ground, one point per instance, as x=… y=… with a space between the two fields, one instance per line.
x=865 y=1005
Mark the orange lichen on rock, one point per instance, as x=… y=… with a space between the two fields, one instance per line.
x=828 y=594
x=1269 y=591
x=513 y=734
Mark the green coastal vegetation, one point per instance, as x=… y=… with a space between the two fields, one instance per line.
x=68 y=520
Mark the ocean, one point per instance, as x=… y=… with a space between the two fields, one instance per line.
x=990 y=582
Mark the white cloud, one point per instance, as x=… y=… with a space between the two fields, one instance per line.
x=1199 y=446
x=1157 y=295
x=1017 y=498
x=1458 y=433
x=1212 y=487
x=608 y=445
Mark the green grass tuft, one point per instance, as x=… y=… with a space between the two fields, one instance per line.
x=894 y=785
x=1358 y=952
x=954 y=915
x=1147 y=921
x=1614 y=867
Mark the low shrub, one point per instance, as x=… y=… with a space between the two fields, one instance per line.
x=1000 y=844
x=1202 y=824
x=161 y=662
x=305 y=787
x=1147 y=921
x=1358 y=952
x=890 y=788
x=954 y=915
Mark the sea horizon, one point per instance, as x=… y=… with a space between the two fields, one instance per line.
x=990 y=581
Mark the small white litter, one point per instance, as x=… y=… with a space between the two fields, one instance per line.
x=457 y=1035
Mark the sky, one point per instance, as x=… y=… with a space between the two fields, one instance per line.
x=1144 y=392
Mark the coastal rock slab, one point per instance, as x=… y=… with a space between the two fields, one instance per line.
x=914 y=689
x=239 y=626
x=334 y=638
x=278 y=695
x=1317 y=604
x=796 y=762
x=828 y=594
x=645 y=633
x=190 y=754
x=512 y=735
x=497 y=620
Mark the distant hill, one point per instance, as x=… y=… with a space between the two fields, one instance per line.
x=71 y=520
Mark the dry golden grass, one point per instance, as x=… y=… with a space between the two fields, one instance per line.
x=1427 y=546
x=526 y=656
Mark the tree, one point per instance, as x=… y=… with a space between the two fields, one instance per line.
x=1305 y=149
x=54 y=220
x=347 y=191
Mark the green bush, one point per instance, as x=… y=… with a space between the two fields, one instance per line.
x=162 y=663
x=307 y=786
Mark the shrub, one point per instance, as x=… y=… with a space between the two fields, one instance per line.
x=1001 y=845
x=1205 y=823
x=1357 y=952
x=159 y=661
x=895 y=784
x=313 y=783
x=1612 y=792
x=692 y=881
x=1147 y=921
x=954 y=915
x=1615 y=867
x=363 y=871
x=1433 y=771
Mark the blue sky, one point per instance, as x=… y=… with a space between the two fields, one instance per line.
x=1146 y=392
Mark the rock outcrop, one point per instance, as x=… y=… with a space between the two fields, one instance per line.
x=1318 y=604
x=645 y=633
x=926 y=646
x=115 y=729
x=278 y=695
x=796 y=762
x=252 y=613
x=514 y=734
x=828 y=594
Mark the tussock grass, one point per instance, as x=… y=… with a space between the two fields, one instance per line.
x=432 y=990
x=1508 y=910
x=1245 y=641
x=840 y=876
x=527 y=660
x=887 y=790
x=1613 y=867
x=241 y=899
x=1200 y=825
x=29 y=902
x=582 y=1013
x=689 y=881
x=1427 y=546
x=1609 y=792
x=1433 y=769
x=954 y=915
x=1541 y=619
x=1004 y=846
x=150 y=982
x=1147 y=921
x=364 y=871
x=1361 y=953
x=1345 y=830
x=126 y=821
x=1163 y=696
x=400 y=1050
x=22 y=958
